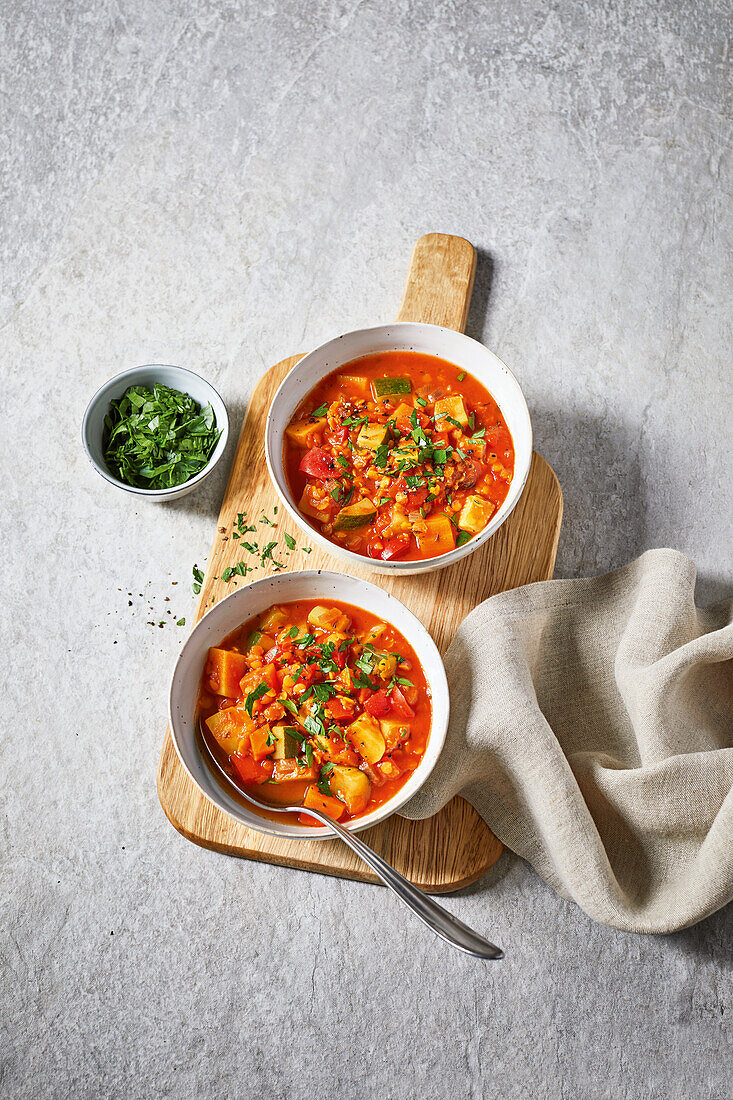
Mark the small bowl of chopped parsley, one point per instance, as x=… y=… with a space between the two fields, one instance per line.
x=156 y=431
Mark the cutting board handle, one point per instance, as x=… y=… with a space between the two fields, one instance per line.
x=439 y=281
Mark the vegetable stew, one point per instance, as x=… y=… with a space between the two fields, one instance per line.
x=399 y=456
x=319 y=704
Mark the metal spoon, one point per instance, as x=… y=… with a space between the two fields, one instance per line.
x=435 y=916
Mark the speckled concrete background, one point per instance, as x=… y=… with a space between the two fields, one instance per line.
x=223 y=184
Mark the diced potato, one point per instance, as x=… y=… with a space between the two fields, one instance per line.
x=366 y=737
x=224 y=670
x=286 y=746
x=302 y=432
x=438 y=537
x=475 y=514
x=452 y=406
x=351 y=786
x=323 y=617
x=308 y=509
x=371 y=436
x=228 y=728
x=355 y=385
x=274 y=619
x=394 y=730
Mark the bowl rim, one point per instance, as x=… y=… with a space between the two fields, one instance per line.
x=437 y=736
x=277 y=473
x=153 y=494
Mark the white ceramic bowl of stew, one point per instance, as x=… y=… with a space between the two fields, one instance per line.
x=243 y=604
x=454 y=347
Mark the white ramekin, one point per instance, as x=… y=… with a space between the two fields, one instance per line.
x=177 y=378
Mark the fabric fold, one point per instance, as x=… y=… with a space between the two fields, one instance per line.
x=592 y=728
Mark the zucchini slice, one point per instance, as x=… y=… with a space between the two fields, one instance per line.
x=355 y=515
x=371 y=436
x=385 y=387
x=286 y=746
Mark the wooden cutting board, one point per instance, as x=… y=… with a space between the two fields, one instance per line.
x=455 y=847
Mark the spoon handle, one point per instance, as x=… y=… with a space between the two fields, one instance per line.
x=432 y=914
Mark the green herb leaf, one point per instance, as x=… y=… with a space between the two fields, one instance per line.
x=289 y=541
x=158 y=438
x=320 y=411
x=261 y=689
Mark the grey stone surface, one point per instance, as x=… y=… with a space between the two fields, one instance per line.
x=223 y=184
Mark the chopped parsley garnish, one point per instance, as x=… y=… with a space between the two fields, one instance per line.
x=289 y=541
x=461 y=376
x=381 y=455
x=198 y=579
x=320 y=411
x=463 y=537
x=158 y=438
x=261 y=689
x=322 y=784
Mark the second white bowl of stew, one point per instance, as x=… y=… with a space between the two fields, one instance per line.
x=311 y=689
x=402 y=448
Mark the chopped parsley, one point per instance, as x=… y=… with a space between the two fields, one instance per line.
x=158 y=438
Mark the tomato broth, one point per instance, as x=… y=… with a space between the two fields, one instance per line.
x=399 y=456
x=316 y=703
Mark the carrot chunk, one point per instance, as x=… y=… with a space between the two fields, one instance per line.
x=251 y=771
x=258 y=743
x=314 y=800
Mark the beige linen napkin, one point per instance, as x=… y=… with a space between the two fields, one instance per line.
x=592 y=728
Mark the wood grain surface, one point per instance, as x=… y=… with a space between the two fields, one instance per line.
x=455 y=847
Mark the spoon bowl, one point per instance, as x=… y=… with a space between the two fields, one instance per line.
x=443 y=923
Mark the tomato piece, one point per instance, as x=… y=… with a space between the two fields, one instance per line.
x=416 y=497
x=338 y=708
x=400 y=705
x=394 y=547
x=251 y=771
x=405 y=761
x=375 y=547
x=319 y=463
x=378 y=704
